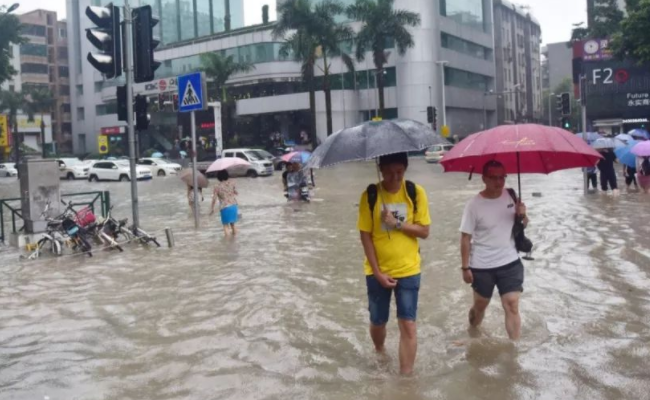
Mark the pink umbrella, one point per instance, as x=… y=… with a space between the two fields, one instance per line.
x=227 y=162
x=526 y=148
x=642 y=149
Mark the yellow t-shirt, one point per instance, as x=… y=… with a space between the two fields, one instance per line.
x=398 y=255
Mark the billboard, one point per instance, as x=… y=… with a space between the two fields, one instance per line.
x=4 y=131
x=617 y=89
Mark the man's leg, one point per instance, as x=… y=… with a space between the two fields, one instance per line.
x=408 y=345
x=379 y=307
x=510 y=302
x=406 y=297
x=603 y=181
x=477 y=312
x=378 y=336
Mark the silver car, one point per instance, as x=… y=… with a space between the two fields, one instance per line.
x=435 y=153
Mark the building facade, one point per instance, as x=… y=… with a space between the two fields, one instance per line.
x=44 y=64
x=453 y=35
x=518 y=64
x=557 y=64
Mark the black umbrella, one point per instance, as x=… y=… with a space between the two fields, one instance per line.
x=373 y=139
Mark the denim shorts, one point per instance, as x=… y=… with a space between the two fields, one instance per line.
x=406 y=298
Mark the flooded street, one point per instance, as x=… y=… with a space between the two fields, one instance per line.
x=281 y=311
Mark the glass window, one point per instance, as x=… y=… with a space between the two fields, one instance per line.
x=80 y=114
x=217 y=17
x=465 y=12
x=63 y=72
x=31 y=68
x=466 y=80
x=32 y=30
x=169 y=22
x=33 y=49
x=466 y=47
x=106 y=108
x=203 y=17
x=187 y=19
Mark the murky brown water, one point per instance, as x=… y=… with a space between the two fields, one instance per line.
x=280 y=313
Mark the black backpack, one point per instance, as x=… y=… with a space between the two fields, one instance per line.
x=645 y=166
x=410 y=191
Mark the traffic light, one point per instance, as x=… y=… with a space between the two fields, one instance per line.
x=566 y=104
x=106 y=37
x=566 y=123
x=144 y=44
x=558 y=102
x=141 y=116
x=430 y=114
x=435 y=119
x=121 y=103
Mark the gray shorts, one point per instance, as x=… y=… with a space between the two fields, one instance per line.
x=507 y=278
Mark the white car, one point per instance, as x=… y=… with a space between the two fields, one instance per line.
x=260 y=166
x=8 y=169
x=72 y=168
x=116 y=171
x=160 y=166
x=435 y=153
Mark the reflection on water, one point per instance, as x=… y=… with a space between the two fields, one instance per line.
x=280 y=312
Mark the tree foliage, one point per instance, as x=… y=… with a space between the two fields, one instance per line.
x=632 y=41
x=605 y=19
x=220 y=69
x=382 y=23
x=9 y=34
x=312 y=32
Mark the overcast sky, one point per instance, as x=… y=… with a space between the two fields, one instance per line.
x=555 y=16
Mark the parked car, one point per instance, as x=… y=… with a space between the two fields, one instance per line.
x=204 y=161
x=278 y=164
x=8 y=169
x=160 y=166
x=435 y=153
x=72 y=168
x=260 y=166
x=116 y=171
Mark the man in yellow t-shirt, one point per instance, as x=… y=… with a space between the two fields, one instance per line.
x=389 y=235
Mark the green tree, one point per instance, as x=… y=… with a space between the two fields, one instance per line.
x=382 y=23
x=12 y=102
x=633 y=39
x=220 y=69
x=302 y=48
x=9 y=34
x=605 y=20
x=41 y=101
x=316 y=25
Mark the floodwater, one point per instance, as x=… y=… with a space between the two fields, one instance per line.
x=281 y=312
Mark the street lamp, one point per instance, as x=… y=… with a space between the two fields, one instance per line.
x=9 y=10
x=550 y=110
x=442 y=84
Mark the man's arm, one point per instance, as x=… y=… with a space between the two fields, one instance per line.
x=465 y=249
x=369 y=250
x=416 y=230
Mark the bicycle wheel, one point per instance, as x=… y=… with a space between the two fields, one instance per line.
x=52 y=245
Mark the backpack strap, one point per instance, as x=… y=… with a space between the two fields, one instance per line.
x=372 y=198
x=412 y=192
x=512 y=194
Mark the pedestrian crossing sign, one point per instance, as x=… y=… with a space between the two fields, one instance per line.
x=190 y=92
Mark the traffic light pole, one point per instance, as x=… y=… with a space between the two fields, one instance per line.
x=128 y=74
x=583 y=109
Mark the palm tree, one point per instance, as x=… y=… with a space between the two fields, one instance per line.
x=315 y=33
x=382 y=24
x=302 y=48
x=41 y=102
x=12 y=102
x=220 y=69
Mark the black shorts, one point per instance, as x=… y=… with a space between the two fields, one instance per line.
x=507 y=278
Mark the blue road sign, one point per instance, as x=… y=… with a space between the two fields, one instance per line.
x=190 y=92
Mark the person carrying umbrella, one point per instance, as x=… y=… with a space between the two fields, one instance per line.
x=226 y=192
x=642 y=152
x=390 y=230
x=186 y=177
x=488 y=253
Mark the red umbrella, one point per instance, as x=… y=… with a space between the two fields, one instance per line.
x=526 y=148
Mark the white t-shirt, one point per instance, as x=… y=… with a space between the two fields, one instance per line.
x=490 y=221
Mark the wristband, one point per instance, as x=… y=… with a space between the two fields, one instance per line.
x=465 y=268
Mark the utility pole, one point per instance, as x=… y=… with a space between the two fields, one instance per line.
x=583 y=108
x=550 y=110
x=128 y=74
x=441 y=65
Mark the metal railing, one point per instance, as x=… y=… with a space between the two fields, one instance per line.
x=13 y=208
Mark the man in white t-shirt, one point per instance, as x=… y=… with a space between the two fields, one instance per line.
x=488 y=253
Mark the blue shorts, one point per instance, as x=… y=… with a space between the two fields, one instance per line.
x=406 y=298
x=229 y=215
